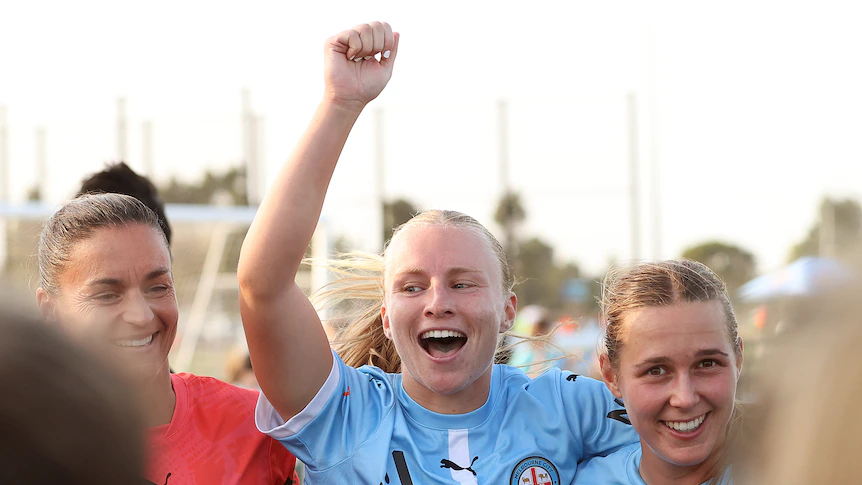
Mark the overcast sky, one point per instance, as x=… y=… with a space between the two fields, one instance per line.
x=751 y=109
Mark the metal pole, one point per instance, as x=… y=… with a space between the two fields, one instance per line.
x=633 y=178
x=655 y=164
x=147 y=148
x=41 y=163
x=193 y=326
x=249 y=150
x=4 y=157
x=505 y=182
x=260 y=155
x=827 y=229
x=4 y=186
x=379 y=161
x=121 y=130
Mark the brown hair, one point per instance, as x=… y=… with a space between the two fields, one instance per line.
x=65 y=416
x=356 y=296
x=665 y=283
x=76 y=221
x=119 y=178
x=661 y=283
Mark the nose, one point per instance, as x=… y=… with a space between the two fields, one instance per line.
x=439 y=303
x=137 y=310
x=684 y=393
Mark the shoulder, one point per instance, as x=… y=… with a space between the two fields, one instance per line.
x=375 y=377
x=553 y=380
x=211 y=390
x=617 y=468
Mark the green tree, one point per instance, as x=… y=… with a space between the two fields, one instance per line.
x=215 y=188
x=34 y=194
x=395 y=213
x=536 y=263
x=734 y=264
x=542 y=279
x=840 y=222
x=509 y=214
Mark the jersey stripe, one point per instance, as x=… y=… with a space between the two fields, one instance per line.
x=459 y=452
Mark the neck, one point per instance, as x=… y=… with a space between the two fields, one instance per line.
x=464 y=401
x=157 y=397
x=656 y=471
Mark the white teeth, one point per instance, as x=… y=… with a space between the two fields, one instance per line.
x=134 y=343
x=686 y=425
x=441 y=334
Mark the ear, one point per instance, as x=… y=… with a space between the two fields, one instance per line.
x=609 y=376
x=46 y=305
x=384 y=317
x=509 y=313
x=739 y=358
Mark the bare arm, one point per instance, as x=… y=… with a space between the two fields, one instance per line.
x=286 y=340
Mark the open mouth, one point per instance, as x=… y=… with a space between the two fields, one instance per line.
x=136 y=343
x=686 y=426
x=441 y=343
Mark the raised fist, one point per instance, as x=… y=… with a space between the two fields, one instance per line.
x=358 y=63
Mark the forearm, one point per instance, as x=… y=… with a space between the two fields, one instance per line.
x=282 y=229
x=288 y=347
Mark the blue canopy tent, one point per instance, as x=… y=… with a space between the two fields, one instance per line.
x=803 y=277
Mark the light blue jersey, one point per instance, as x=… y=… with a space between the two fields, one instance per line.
x=621 y=468
x=363 y=428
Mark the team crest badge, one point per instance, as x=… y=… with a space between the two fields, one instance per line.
x=535 y=470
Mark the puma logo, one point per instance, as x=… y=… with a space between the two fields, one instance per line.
x=454 y=466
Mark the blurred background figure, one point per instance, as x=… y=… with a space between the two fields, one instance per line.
x=537 y=352
x=64 y=416
x=803 y=426
x=543 y=342
x=238 y=369
x=582 y=339
x=118 y=178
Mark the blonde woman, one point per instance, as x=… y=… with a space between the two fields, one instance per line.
x=438 y=301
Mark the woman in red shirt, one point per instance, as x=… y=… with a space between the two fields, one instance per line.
x=105 y=277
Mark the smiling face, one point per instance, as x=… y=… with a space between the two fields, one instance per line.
x=117 y=291
x=444 y=309
x=677 y=375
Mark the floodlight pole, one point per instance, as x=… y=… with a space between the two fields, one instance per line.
x=633 y=178
x=4 y=185
x=505 y=181
x=147 y=148
x=41 y=162
x=121 y=130
x=380 y=176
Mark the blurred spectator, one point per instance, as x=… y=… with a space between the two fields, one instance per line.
x=64 y=417
x=118 y=178
x=802 y=427
x=581 y=340
x=238 y=369
x=537 y=352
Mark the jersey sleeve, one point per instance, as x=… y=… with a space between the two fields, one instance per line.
x=282 y=464
x=596 y=417
x=346 y=412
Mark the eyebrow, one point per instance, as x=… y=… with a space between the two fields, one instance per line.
x=116 y=281
x=452 y=271
x=665 y=360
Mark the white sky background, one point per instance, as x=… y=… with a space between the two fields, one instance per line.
x=754 y=109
